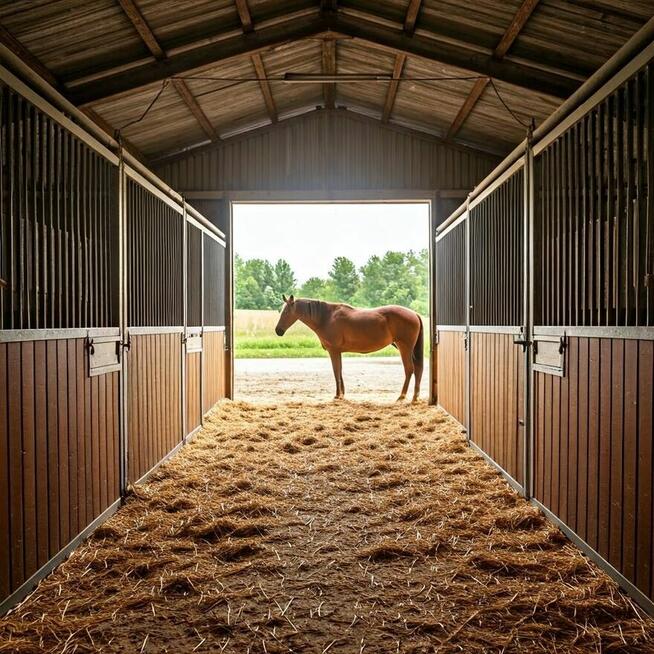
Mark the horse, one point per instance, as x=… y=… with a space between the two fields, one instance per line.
x=342 y=328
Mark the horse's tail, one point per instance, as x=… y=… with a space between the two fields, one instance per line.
x=419 y=347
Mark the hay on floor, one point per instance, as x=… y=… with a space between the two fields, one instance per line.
x=329 y=528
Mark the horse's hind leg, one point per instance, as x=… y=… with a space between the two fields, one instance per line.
x=337 y=367
x=406 y=353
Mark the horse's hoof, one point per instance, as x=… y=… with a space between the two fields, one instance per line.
x=401 y=398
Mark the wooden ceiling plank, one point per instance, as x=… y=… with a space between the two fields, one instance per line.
x=185 y=94
x=33 y=62
x=461 y=117
x=141 y=25
x=511 y=33
x=8 y=39
x=147 y=35
x=400 y=60
x=513 y=30
x=411 y=17
x=245 y=15
x=214 y=52
x=266 y=92
x=329 y=68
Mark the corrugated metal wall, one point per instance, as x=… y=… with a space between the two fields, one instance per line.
x=329 y=150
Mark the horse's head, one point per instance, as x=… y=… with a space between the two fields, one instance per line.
x=288 y=317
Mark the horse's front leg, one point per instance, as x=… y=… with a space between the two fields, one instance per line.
x=337 y=367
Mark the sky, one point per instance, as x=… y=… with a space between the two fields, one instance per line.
x=310 y=236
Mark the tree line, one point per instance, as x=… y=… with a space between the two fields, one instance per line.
x=394 y=278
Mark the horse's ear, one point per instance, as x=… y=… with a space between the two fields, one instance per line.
x=284 y=298
x=291 y=299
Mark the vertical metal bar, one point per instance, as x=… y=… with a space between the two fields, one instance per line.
x=434 y=215
x=640 y=216
x=609 y=231
x=202 y=362
x=23 y=297
x=620 y=244
x=528 y=312
x=4 y=237
x=123 y=320
x=184 y=273
x=628 y=245
x=579 y=273
x=649 y=245
x=467 y=319
x=11 y=160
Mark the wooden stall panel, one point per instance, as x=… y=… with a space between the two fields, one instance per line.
x=214 y=369
x=193 y=386
x=497 y=400
x=593 y=450
x=154 y=401
x=450 y=373
x=59 y=460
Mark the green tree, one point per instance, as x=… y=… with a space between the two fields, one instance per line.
x=255 y=284
x=387 y=280
x=285 y=282
x=314 y=288
x=343 y=280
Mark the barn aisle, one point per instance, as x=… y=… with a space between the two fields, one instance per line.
x=333 y=527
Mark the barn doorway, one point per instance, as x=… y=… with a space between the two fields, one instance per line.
x=365 y=254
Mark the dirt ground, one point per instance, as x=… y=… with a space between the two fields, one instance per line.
x=334 y=527
x=366 y=378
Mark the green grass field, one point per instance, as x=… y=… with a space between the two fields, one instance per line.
x=255 y=338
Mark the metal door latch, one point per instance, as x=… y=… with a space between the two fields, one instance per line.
x=524 y=343
x=90 y=346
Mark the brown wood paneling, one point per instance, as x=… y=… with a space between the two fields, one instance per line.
x=154 y=411
x=496 y=402
x=193 y=400
x=213 y=388
x=606 y=399
x=451 y=373
x=44 y=416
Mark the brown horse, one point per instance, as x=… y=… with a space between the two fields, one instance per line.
x=342 y=328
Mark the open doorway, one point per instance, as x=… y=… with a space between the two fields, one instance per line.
x=362 y=254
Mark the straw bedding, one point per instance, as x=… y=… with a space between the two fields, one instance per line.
x=328 y=528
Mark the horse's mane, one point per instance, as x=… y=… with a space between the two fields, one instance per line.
x=318 y=310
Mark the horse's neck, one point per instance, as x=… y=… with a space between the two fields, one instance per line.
x=314 y=322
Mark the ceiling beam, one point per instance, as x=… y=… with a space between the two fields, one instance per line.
x=400 y=59
x=510 y=35
x=148 y=37
x=147 y=73
x=141 y=25
x=185 y=94
x=329 y=68
x=412 y=12
x=478 y=88
x=260 y=70
x=517 y=24
x=244 y=15
x=8 y=39
x=468 y=58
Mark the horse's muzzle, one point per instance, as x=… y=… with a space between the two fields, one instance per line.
x=279 y=331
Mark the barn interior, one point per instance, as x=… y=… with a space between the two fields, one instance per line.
x=515 y=515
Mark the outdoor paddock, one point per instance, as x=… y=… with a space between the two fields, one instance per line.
x=327 y=527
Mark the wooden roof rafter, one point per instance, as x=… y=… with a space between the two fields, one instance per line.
x=398 y=67
x=37 y=66
x=328 y=56
x=511 y=33
x=264 y=85
x=558 y=84
x=257 y=62
x=412 y=16
x=139 y=22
